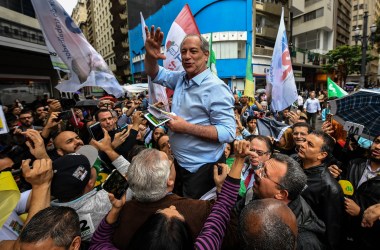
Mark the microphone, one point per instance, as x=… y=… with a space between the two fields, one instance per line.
x=348 y=189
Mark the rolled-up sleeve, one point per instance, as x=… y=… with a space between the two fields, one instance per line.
x=222 y=114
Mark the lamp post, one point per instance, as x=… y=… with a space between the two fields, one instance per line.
x=363 y=39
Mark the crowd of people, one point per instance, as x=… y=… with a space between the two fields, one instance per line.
x=210 y=178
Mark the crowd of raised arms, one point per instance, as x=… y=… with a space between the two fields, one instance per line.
x=96 y=174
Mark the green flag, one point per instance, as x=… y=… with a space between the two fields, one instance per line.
x=333 y=90
x=211 y=63
x=249 y=89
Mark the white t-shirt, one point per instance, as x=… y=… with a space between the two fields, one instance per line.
x=12 y=227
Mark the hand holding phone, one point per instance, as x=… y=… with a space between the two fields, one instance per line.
x=116 y=184
x=64 y=115
x=293 y=108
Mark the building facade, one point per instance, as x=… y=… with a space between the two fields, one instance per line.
x=359 y=9
x=25 y=67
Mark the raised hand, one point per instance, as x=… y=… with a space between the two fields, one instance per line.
x=153 y=43
x=35 y=144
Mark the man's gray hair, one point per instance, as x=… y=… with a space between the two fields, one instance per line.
x=204 y=43
x=148 y=175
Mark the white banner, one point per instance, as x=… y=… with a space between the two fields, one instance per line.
x=87 y=67
x=280 y=76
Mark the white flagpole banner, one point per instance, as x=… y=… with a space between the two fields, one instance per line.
x=55 y=60
x=182 y=25
x=87 y=67
x=281 y=77
x=157 y=93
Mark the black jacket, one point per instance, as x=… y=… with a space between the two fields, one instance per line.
x=325 y=197
x=310 y=228
x=366 y=195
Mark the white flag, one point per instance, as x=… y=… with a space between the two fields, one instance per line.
x=280 y=76
x=87 y=67
x=157 y=93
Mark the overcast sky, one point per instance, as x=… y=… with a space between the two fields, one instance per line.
x=68 y=5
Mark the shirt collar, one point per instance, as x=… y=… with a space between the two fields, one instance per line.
x=368 y=167
x=197 y=79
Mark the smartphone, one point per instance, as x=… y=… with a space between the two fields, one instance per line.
x=293 y=108
x=64 y=115
x=96 y=131
x=116 y=184
x=329 y=118
x=125 y=126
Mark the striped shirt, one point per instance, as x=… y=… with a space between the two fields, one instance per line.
x=212 y=234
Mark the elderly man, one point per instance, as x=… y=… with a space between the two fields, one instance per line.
x=203 y=105
x=323 y=193
x=151 y=180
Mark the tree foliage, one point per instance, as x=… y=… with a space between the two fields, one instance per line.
x=377 y=35
x=345 y=60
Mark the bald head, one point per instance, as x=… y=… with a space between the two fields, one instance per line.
x=268 y=224
x=67 y=142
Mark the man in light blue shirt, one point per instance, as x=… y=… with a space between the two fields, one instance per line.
x=203 y=105
x=312 y=108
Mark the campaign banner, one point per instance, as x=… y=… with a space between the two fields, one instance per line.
x=280 y=76
x=87 y=67
x=183 y=24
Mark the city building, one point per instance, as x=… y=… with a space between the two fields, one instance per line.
x=119 y=12
x=25 y=67
x=79 y=16
x=359 y=8
x=106 y=29
x=313 y=36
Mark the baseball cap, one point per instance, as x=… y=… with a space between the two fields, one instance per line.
x=72 y=173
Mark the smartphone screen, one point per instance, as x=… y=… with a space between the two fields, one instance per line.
x=294 y=109
x=116 y=184
x=64 y=115
x=96 y=131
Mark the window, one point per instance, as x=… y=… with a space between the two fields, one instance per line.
x=313 y=15
x=309 y=40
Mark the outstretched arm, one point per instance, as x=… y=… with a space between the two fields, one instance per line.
x=153 y=43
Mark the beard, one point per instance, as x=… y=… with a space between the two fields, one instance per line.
x=374 y=159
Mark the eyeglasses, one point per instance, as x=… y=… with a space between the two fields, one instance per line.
x=258 y=152
x=262 y=173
